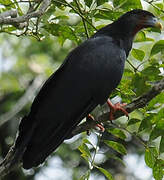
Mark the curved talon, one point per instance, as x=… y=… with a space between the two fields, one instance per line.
x=116 y=107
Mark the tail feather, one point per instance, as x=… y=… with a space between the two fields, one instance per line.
x=34 y=156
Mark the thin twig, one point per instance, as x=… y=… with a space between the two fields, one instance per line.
x=84 y=22
x=151 y=3
x=25 y=18
x=135 y=69
x=96 y=149
x=76 y=11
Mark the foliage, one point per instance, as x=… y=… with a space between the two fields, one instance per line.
x=62 y=27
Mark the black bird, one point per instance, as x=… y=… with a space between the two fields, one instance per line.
x=86 y=78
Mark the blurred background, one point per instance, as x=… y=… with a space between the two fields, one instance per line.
x=28 y=58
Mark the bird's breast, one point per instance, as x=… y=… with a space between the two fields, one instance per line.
x=107 y=73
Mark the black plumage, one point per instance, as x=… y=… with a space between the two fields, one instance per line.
x=85 y=79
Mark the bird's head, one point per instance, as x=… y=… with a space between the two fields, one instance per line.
x=138 y=19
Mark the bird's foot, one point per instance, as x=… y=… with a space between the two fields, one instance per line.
x=91 y=118
x=116 y=107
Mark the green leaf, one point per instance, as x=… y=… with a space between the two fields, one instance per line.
x=84 y=150
x=86 y=141
x=88 y=2
x=146 y=123
x=116 y=146
x=141 y=36
x=85 y=157
x=160 y=119
x=133 y=121
x=161 y=147
x=63 y=32
x=151 y=156
x=62 y=17
x=9 y=29
x=108 y=15
x=117 y=132
x=127 y=4
x=151 y=73
x=159 y=46
x=159 y=128
x=113 y=156
x=138 y=54
x=139 y=84
x=156 y=101
x=156 y=133
x=158 y=169
x=5 y=2
x=105 y=172
x=101 y=2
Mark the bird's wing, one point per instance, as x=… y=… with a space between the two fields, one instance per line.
x=27 y=122
x=64 y=100
x=61 y=104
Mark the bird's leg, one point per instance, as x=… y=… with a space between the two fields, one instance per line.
x=116 y=107
x=91 y=118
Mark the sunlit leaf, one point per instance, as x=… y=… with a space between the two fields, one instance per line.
x=86 y=141
x=84 y=150
x=105 y=172
x=117 y=132
x=159 y=127
x=133 y=121
x=141 y=37
x=158 y=169
x=156 y=101
x=138 y=54
x=151 y=155
x=116 y=146
x=159 y=46
x=127 y=4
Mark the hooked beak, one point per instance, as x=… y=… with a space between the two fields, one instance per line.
x=153 y=22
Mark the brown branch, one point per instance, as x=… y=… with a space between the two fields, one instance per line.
x=140 y=102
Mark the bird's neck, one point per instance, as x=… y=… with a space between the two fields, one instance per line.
x=123 y=34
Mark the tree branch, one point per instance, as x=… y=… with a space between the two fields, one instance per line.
x=84 y=22
x=28 y=96
x=140 y=102
x=10 y=17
